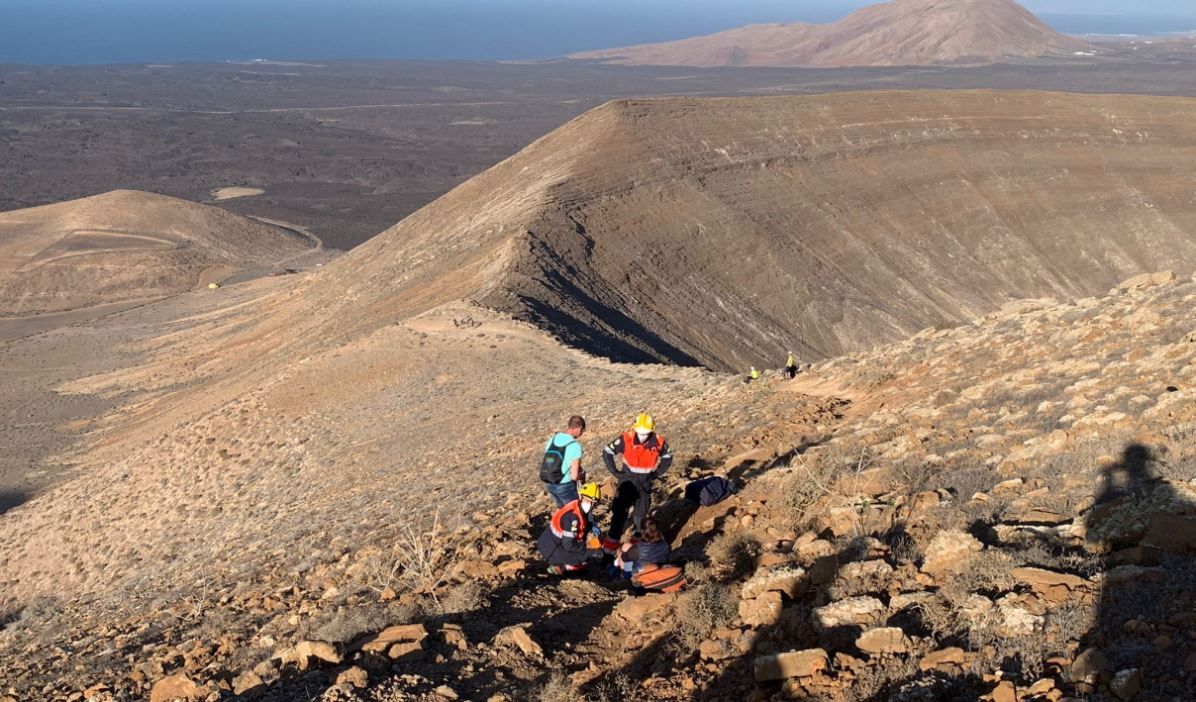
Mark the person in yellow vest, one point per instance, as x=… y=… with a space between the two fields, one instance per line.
x=752 y=375
x=646 y=456
x=791 y=366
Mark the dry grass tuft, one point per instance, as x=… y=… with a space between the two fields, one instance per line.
x=462 y=598
x=344 y=624
x=419 y=561
x=619 y=688
x=557 y=689
x=807 y=483
x=734 y=555
x=700 y=612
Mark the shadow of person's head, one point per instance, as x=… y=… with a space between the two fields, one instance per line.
x=1129 y=476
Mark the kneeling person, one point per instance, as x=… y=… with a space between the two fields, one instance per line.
x=565 y=544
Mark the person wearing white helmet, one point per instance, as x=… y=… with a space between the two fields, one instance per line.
x=646 y=456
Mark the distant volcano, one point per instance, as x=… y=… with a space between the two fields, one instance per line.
x=126 y=245
x=898 y=33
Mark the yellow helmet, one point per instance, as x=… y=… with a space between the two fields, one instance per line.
x=590 y=490
x=643 y=422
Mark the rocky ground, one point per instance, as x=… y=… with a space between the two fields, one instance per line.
x=1001 y=509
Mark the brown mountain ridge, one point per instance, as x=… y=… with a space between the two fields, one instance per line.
x=898 y=33
x=827 y=224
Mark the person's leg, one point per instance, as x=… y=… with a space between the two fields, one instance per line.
x=625 y=497
x=643 y=502
x=562 y=494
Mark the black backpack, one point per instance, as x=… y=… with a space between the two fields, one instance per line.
x=710 y=491
x=552 y=466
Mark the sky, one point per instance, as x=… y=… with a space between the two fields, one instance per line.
x=115 y=31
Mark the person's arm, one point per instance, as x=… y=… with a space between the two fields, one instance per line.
x=608 y=455
x=628 y=553
x=666 y=460
x=575 y=472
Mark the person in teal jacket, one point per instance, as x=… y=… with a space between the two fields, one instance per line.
x=560 y=470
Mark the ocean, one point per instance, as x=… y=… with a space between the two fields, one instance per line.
x=136 y=31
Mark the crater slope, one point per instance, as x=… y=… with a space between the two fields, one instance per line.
x=898 y=33
x=723 y=232
x=125 y=245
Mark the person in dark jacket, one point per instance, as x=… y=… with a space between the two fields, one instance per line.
x=565 y=544
x=646 y=456
x=650 y=548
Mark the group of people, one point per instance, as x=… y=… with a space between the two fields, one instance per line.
x=789 y=371
x=636 y=458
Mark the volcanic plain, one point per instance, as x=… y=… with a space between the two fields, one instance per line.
x=346 y=149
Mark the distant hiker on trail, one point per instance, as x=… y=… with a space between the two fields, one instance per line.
x=791 y=366
x=567 y=542
x=646 y=456
x=753 y=374
x=560 y=468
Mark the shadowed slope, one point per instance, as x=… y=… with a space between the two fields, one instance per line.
x=899 y=33
x=125 y=245
x=723 y=231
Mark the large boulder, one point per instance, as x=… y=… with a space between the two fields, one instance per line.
x=303 y=653
x=1091 y=667
x=176 y=687
x=857 y=611
x=788 y=581
x=764 y=610
x=1054 y=587
x=391 y=635
x=791 y=664
x=883 y=640
x=950 y=552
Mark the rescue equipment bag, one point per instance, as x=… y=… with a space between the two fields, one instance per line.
x=660 y=578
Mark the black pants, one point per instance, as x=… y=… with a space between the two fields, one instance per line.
x=631 y=493
x=791 y=371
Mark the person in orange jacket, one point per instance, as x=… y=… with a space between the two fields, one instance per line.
x=566 y=543
x=646 y=456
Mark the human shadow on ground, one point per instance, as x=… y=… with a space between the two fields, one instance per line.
x=1145 y=616
x=1142 y=531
